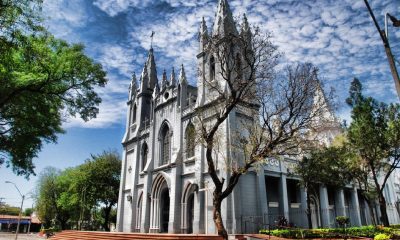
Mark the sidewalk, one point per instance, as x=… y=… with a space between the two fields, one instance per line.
x=11 y=236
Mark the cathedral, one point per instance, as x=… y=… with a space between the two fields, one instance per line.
x=165 y=187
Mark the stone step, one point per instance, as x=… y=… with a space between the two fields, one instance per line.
x=87 y=235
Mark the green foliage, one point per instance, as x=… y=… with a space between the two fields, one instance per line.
x=382 y=236
x=42 y=80
x=28 y=212
x=9 y=210
x=364 y=231
x=342 y=220
x=81 y=195
x=374 y=138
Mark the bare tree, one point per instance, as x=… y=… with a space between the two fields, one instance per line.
x=282 y=109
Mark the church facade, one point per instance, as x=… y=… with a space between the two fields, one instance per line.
x=165 y=187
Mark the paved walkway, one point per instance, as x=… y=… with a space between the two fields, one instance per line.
x=8 y=236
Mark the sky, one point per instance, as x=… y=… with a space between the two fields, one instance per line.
x=336 y=36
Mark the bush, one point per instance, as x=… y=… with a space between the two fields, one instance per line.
x=364 y=231
x=342 y=220
x=381 y=236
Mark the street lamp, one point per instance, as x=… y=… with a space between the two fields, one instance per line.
x=20 y=210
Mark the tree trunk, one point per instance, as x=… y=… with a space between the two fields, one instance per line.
x=309 y=210
x=107 y=211
x=217 y=216
x=382 y=206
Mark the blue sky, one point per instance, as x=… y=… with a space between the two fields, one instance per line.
x=336 y=36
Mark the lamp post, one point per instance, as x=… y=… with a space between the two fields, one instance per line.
x=20 y=210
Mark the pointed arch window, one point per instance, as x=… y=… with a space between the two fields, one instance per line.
x=238 y=66
x=134 y=113
x=145 y=153
x=212 y=68
x=190 y=140
x=165 y=145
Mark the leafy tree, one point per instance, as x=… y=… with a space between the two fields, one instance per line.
x=374 y=135
x=42 y=81
x=103 y=177
x=28 y=211
x=6 y=209
x=47 y=194
x=326 y=166
x=76 y=194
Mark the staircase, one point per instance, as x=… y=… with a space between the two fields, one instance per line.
x=85 y=235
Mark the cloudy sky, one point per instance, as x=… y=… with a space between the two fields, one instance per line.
x=337 y=36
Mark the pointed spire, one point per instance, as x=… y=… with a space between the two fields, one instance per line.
x=224 y=23
x=245 y=30
x=144 y=79
x=203 y=28
x=151 y=69
x=173 y=78
x=164 y=82
x=182 y=76
x=132 y=86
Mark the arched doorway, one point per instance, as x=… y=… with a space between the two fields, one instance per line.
x=188 y=200
x=160 y=204
x=190 y=213
x=164 y=210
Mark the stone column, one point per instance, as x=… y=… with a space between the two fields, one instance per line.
x=355 y=208
x=304 y=218
x=263 y=195
x=339 y=203
x=324 y=204
x=197 y=213
x=284 y=197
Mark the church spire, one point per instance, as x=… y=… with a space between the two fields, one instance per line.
x=182 y=76
x=224 y=23
x=245 y=30
x=173 y=79
x=144 y=79
x=164 y=82
x=132 y=87
x=152 y=70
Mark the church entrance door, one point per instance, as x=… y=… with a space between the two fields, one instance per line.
x=164 y=219
x=190 y=214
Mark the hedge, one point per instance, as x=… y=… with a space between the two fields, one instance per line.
x=364 y=231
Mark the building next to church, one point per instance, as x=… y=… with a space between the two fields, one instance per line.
x=164 y=183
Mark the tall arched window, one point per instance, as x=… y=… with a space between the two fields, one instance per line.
x=145 y=151
x=190 y=140
x=212 y=68
x=134 y=113
x=165 y=145
x=238 y=66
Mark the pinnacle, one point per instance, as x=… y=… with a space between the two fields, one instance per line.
x=224 y=23
x=182 y=75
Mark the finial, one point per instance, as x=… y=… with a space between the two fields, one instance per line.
x=182 y=75
x=151 y=43
x=164 y=80
x=173 y=80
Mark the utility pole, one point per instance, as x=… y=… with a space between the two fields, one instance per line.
x=385 y=39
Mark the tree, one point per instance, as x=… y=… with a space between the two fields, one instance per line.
x=374 y=135
x=46 y=199
x=245 y=78
x=6 y=209
x=102 y=178
x=326 y=166
x=73 y=195
x=28 y=211
x=42 y=81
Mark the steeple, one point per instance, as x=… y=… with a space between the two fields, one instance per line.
x=132 y=87
x=164 y=82
x=144 y=79
x=172 y=79
x=224 y=23
x=245 y=30
x=151 y=69
x=203 y=35
x=182 y=76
